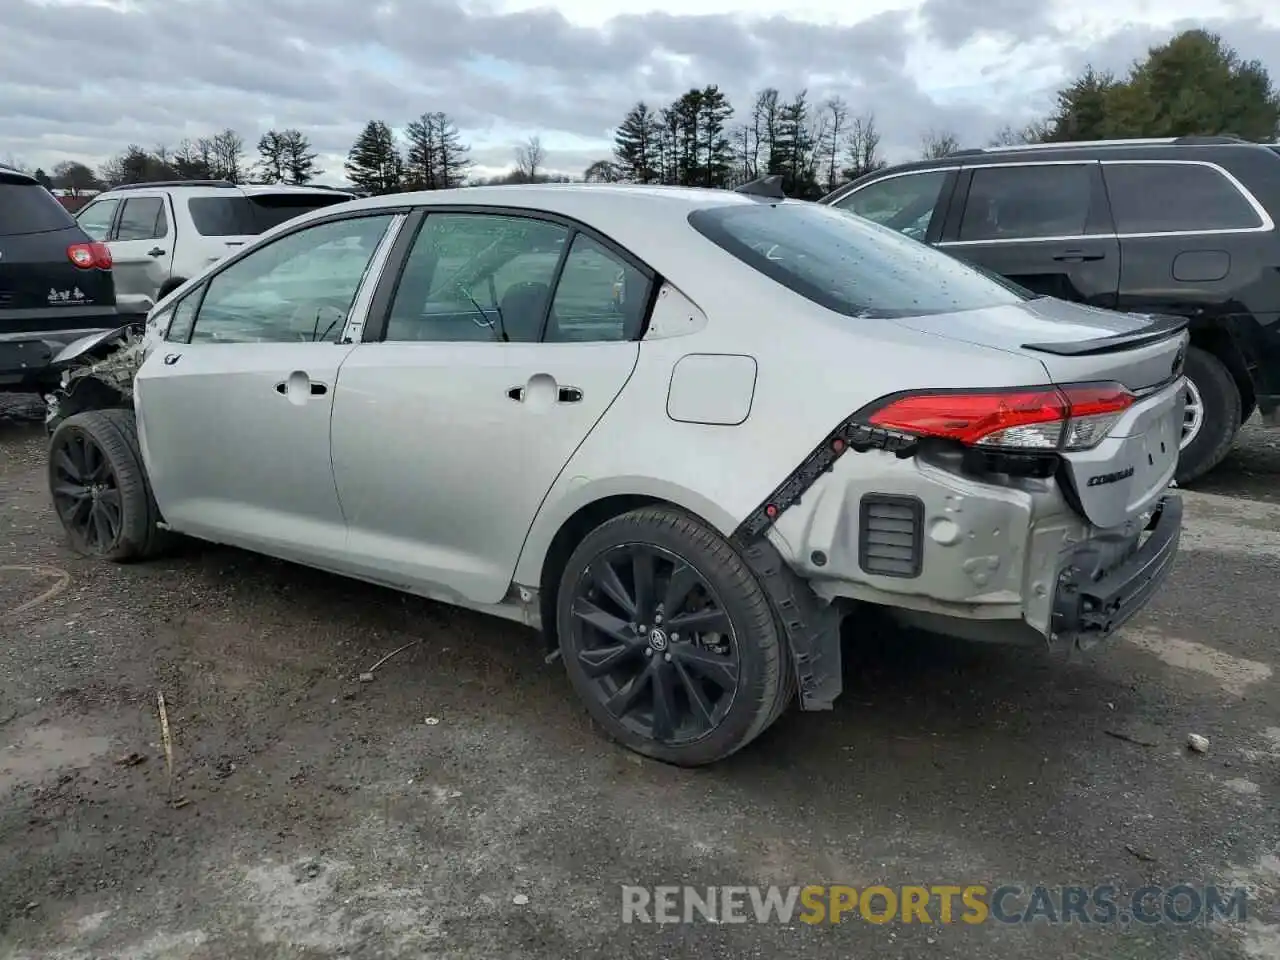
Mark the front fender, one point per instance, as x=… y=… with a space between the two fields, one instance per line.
x=93 y=344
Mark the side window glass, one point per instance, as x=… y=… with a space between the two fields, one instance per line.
x=139 y=218
x=1174 y=197
x=296 y=289
x=162 y=221
x=183 y=318
x=484 y=277
x=95 y=219
x=599 y=296
x=904 y=203
x=1027 y=202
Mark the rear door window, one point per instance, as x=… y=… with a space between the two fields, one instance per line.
x=142 y=219
x=904 y=203
x=846 y=263
x=96 y=219
x=1175 y=197
x=1028 y=202
x=243 y=216
x=27 y=207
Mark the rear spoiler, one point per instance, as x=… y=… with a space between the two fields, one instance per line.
x=1161 y=328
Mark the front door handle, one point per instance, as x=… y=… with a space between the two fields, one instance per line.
x=516 y=394
x=313 y=387
x=570 y=395
x=1078 y=256
x=155 y=252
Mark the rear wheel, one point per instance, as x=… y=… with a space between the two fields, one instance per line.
x=100 y=489
x=669 y=638
x=1213 y=414
x=170 y=285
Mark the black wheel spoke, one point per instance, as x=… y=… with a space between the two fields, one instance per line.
x=683 y=579
x=109 y=504
x=71 y=491
x=64 y=462
x=665 y=717
x=710 y=620
x=720 y=670
x=621 y=702
x=599 y=661
x=607 y=579
x=101 y=528
x=642 y=563
x=611 y=626
x=703 y=711
x=78 y=515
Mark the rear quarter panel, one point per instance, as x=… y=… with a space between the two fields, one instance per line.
x=814 y=369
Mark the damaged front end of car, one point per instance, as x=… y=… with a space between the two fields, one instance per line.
x=96 y=373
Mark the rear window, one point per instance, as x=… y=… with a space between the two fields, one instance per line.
x=847 y=263
x=29 y=208
x=1177 y=197
x=239 y=216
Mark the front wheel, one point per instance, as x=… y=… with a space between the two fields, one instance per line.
x=100 y=489
x=1213 y=415
x=669 y=638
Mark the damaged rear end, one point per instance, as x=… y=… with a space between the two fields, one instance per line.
x=1031 y=511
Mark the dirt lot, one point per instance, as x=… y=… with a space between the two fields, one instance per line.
x=461 y=806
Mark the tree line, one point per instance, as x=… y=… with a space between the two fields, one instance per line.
x=1192 y=84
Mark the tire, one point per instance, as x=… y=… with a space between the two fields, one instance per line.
x=123 y=485
x=764 y=682
x=166 y=288
x=1222 y=409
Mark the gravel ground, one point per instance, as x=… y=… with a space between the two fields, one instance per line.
x=462 y=806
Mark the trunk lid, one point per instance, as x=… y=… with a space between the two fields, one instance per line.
x=1122 y=477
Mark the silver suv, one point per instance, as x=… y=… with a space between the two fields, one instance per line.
x=162 y=233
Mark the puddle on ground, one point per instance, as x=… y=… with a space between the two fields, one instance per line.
x=45 y=750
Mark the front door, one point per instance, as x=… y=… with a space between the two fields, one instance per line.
x=141 y=250
x=1045 y=226
x=234 y=404
x=504 y=346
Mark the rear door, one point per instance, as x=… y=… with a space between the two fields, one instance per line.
x=41 y=289
x=1046 y=226
x=451 y=427
x=142 y=250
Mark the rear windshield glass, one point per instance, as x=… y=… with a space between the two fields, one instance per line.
x=847 y=263
x=30 y=208
x=240 y=216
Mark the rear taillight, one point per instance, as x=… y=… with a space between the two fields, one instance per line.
x=90 y=256
x=1074 y=417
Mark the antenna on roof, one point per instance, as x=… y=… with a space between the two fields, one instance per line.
x=767 y=188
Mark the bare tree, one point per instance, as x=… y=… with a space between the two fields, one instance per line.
x=529 y=158
x=228 y=156
x=938 y=143
x=1008 y=136
x=835 y=113
x=862 y=147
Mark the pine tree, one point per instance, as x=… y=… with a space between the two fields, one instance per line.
x=271 y=157
x=299 y=160
x=636 y=145
x=374 y=164
x=452 y=155
x=715 y=153
x=421 y=167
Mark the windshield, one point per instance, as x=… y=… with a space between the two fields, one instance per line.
x=847 y=263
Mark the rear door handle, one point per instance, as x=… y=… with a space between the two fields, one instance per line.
x=155 y=252
x=516 y=394
x=1078 y=256
x=282 y=388
x=570 y=395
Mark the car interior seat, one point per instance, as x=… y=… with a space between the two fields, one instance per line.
x=523 y=307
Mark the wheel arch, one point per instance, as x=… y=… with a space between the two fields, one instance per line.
x=1215 y=339
x=558 y=530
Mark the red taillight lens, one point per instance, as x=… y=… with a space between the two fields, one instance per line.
x=1048 y=418
x=90 y=256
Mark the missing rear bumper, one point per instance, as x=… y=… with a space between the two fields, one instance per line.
x=1104 y=584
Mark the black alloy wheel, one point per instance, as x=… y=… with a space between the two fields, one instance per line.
x=669 y=638
x=86 y=493
x=657 y=643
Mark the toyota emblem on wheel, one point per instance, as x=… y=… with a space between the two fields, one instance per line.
x=657 y=639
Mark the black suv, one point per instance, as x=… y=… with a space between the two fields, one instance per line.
x=1183 y=226
x=55 y=283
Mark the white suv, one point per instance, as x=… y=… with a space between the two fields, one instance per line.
x=162 y=233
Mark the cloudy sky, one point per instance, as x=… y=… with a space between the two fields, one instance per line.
x=80 y=79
